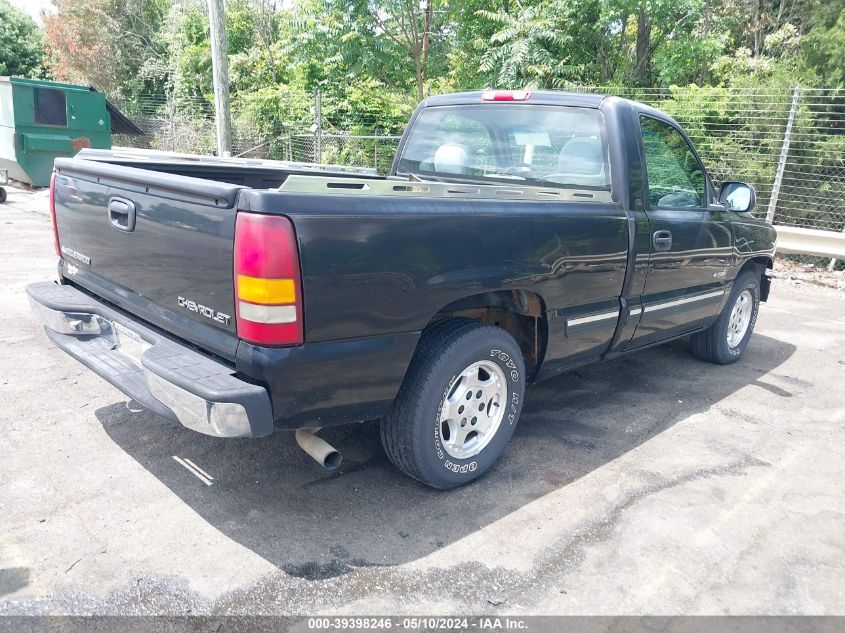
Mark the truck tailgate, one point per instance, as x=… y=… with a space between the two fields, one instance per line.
x=157 y=245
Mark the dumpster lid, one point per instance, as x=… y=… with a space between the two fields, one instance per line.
x=120 y=123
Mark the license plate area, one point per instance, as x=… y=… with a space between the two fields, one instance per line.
x=129 y=343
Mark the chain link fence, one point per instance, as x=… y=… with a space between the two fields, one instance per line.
x=186 y=124
x=363 y=150
x=789 y=143
x=298 y=128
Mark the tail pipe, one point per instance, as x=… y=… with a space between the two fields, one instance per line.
x=319 y=449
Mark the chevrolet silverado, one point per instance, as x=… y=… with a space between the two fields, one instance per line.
x=518 y=235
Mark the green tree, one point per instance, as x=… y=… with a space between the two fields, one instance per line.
x=555 y=43
x=400 y=43
x=250 y=65
x=116 y=45
x=824 y=51
x=552 y=44
x=655 y=37
x=21 y=44
x=531 y=46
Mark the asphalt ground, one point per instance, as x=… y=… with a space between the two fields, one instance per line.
x=654 y=484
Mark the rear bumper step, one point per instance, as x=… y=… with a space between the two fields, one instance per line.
x=163 y=375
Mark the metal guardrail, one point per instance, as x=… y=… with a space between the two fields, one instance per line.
x=794 y=240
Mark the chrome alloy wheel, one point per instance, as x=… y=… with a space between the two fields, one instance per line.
x=473 y=409
x=740 y=318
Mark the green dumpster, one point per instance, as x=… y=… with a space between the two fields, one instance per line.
x=41 y=120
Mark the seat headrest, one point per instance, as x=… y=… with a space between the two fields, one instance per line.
x=582 y=156
x=452 y=159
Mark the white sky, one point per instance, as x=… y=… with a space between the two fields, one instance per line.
x=33 y=7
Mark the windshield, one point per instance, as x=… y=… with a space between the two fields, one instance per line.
x=554 y=146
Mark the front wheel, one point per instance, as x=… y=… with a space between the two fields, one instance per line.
x=725 y=341
x=458 y=405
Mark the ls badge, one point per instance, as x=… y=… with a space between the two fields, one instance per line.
x=80 y=257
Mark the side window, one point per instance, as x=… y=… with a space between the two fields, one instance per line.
x=675 y=178
x=50 y=107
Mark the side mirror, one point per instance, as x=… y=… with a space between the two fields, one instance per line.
x=737 y=196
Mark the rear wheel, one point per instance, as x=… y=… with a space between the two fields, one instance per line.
x=2 y=195
x=725 y=341
x=458 y=405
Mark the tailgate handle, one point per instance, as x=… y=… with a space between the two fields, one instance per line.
x=122 y=214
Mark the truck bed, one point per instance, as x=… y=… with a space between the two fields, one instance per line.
x=248 y=172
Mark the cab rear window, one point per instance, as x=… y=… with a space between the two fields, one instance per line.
x=556 y=146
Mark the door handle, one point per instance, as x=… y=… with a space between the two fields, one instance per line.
x=662 y=240
x=122 y=214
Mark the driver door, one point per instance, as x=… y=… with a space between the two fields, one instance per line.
x=691 y=239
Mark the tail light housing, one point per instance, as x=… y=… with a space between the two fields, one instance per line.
x=56 y=244
x=268 y=287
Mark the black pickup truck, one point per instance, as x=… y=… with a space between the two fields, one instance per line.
x=518 y=235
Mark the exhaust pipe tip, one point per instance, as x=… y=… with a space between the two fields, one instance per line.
x=332 y=461
x=318 y=449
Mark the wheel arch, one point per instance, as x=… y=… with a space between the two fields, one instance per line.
x=521 y=313
x=761 y=264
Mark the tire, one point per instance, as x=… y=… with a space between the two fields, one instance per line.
x=3 y=195
x=455 y=361
x=725 y=341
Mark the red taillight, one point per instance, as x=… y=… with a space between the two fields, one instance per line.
x=268 y=290
x=506 y=95
x=56 y=243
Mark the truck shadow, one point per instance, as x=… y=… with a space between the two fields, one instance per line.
x=269 y=496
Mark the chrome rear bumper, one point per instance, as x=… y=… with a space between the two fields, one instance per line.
x=160 y=373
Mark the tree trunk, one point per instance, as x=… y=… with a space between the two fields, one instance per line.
x=643 y=49
x=266 y=34
x=426 y=30
x=418 y=67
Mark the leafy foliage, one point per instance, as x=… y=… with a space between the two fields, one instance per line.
x=372 y=60
x=410 y=47
x=536 y=47
x=825 y=51
x=115 y=45
x=21 y=47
